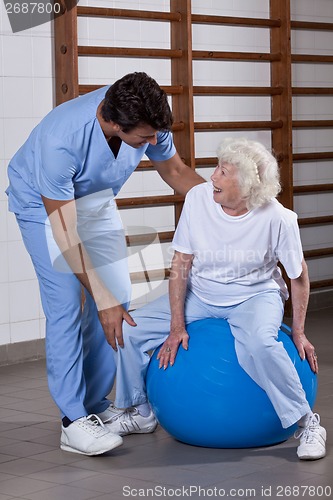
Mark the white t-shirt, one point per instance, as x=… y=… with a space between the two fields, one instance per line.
x=235 y=257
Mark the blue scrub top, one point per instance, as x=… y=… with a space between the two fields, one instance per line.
x=66 y=156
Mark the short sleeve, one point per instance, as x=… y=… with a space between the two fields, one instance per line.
x=57 y=169
x=163 y=150
x=289 y=251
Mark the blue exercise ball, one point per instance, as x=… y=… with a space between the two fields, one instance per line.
x=207 y=399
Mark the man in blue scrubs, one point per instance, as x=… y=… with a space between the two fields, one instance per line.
x=63 y=181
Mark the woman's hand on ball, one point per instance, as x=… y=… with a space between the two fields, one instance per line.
x=169 y=349
x=306 y=349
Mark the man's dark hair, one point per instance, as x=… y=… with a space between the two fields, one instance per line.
x=137 y=99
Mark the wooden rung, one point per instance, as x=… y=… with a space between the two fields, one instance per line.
x=145 y=239
x=211 y=90
x=205 y=162
x=325 y=155
x=253 y=125
x=309 y=25
x=312 y=90
x=145 y=165
x=173 y=89
x=87 y=50
x=242 y=56
x=149 y=201
x=311 y=58
x=151 y=275
x=236 y=21
x=168 y=89
x=318 y=252
x=128 y=14
x=314 y=188
x=321 y=284
x=312 y=123
x=316 y=221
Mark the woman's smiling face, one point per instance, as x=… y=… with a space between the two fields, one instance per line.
x=227 y=191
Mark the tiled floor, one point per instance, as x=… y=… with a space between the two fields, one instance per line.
x=32 y=466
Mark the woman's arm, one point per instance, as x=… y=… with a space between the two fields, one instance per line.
x=180 y=268
x=300 y=289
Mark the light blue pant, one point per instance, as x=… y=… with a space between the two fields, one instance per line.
x=254 y=325
x=80 y=362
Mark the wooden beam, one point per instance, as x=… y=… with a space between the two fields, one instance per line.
x=149 y=201
x=206 y=162
x=236 y=21
x=211 y=90
x=313 y=188
x=318 y=252
x=149 y=275
x=181 y=74
x=66 y=53
x=312 y=123
x=144 y=239
x=147 y=15
x=313 y=58
x=282 y=104
x=316 y=221
x=169 y=89
x=312 y=90
x=309 y=25
x=235 y=56
x=253 y=125
x=325 y=155
x=321 y=284
x=89 y=50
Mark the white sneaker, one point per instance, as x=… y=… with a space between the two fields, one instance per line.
x=312 y=440
x=88 y=436
x=110 y=414
x=131 y=422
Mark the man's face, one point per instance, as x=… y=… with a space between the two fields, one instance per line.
x=139 y=136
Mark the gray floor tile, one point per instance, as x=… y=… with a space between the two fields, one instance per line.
x=62 y=474
x=32 y=466
x=21 y=486
x=25 y=449
x=61 y=492
x=24 y=466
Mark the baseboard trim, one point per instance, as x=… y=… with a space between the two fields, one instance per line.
x=35 y=349
x=20 y=352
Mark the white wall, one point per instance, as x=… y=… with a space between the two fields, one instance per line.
x=26 y=95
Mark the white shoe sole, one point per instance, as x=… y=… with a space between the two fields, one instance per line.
x=309 y=457
x=66 y=447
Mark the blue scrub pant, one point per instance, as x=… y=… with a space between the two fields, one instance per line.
x=254 y=324
x=80 y=362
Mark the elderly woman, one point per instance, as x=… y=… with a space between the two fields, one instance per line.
x=230 y=238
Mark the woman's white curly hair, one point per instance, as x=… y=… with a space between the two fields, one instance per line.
x=258 y=170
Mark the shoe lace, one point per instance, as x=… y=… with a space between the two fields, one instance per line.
x=127 y=420
x=309 y=433
x=111 y=414
x=96 y=423
x=115 y=413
